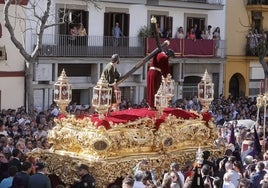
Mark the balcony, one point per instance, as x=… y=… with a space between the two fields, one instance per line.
x=186 y=48
x=257 y=5
x=257 y=2
x=193 y=4
x=131 y=47
x=91 y=46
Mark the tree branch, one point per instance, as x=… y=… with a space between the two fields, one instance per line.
x=12 y=34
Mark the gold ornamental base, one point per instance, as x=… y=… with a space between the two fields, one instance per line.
x=106 y=171
x=114 y=149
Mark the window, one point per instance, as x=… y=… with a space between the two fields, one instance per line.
x=191 y=21
x=75 y=70
x=72 y=18
x=111 y=18
x=165 y=23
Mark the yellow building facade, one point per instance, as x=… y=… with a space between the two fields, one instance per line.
x=243 y=71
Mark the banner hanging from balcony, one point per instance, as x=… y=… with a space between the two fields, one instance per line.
x=186 y=47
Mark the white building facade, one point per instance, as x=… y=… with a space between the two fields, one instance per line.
x=84 y=57
x=12 y=85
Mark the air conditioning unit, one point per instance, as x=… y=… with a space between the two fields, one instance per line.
x=3 y=53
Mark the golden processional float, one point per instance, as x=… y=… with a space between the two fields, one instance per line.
x=111 y=145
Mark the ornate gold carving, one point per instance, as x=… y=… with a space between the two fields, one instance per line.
x=114 y=152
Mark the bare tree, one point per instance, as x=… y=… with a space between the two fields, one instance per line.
x=41 y=19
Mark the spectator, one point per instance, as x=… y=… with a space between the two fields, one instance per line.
x=205 y=170
x=3 y=129
x=244 y=183
x=231 y=176
x=180 y=33
x=176 y=168
x=258 y=176
x=191 y=34
x=22 y=178
x=167 y=34
x=227 y=181
x=217 y=182
x=117 y=33
x=203 y=35
x=138 y=178
x=82 y=31
x=209 y=34
x=128 y=182
x=175 y=180
x=40 y=179
x=87 y=180
x=217 y=38
x=16 y=159
x=197 y=31
x=7 y=182
x=3 y=167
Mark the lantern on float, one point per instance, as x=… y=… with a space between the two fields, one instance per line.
x=62 y=92
x=169 y=86
x=164 y=93
x=102 y=95
x=205 y=91
x=117 y=93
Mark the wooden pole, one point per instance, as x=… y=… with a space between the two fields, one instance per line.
x=142 y=62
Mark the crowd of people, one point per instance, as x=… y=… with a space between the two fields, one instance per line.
x=20 y=134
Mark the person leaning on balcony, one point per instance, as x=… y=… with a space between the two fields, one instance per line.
x=191 y=34
x=158 y=67
x=111 y=74
x=209 y=33
x=180 y=33
x=82 y=31
x=217 y=38
x=117 y=33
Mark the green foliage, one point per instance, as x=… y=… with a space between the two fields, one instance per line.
x=145 y=32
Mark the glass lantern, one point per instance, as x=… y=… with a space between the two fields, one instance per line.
x=102 y=96
x=164 y=94
x=63 y=92
x=169 y=86
x=117 y=93
x=205 y=91
x=199 y=156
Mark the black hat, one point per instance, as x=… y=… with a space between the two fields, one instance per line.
x=83 y=166
x=115 y=58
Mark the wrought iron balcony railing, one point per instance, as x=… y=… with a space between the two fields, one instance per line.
x=91 y=46
x=204 y=1
x=257 y=2
x=105 y=46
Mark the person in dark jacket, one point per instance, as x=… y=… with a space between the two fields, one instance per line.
x=22 y=178
x=15 y=161
x=87 y=180
x=258 y=176
x=40 y=179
